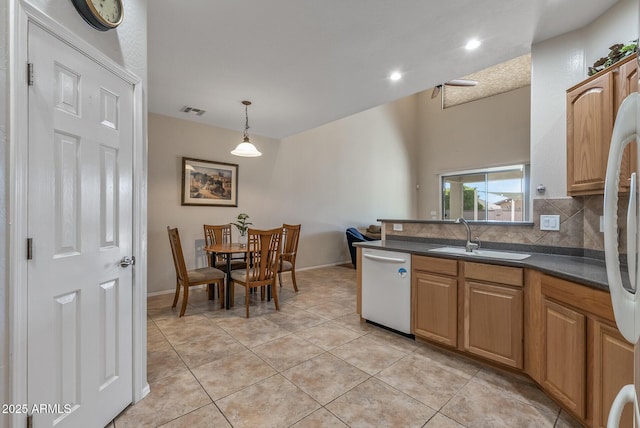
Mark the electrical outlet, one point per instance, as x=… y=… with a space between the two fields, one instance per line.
x=397 y=227
x=549 y=222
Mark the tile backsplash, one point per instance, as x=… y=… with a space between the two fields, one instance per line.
x=579 y=226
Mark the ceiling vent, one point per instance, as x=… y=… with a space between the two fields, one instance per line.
x=193 y=110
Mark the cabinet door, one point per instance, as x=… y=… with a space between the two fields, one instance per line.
x=626 y=83
x=589 y=129
x=493 y=322
x=563 y=371
x=612 y=369
x=436 y=307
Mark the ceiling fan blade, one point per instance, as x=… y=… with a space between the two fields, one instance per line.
x=436 y=91
x=461 y=82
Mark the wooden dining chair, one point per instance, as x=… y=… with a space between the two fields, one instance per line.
x=290 y=237
x=187 y=278
x=221 y=234
x=264 y=252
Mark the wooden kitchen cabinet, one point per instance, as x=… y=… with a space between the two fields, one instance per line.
x=564 y=355
x=589 y=127
x=435 y=301
x=591 y=109
x=612 y=365
x=561 y=333
x=579 y=357
x=493 y=312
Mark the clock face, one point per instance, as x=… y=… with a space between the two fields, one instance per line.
x=109 y=10
x=102 y=15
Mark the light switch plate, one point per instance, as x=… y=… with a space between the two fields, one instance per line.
x=549 y=222
x=397 y=227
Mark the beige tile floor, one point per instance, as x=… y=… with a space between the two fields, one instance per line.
x=314 y=364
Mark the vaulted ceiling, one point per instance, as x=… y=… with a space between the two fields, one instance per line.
x=304 y=63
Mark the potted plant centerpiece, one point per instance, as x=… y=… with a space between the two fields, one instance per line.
x=242 y=223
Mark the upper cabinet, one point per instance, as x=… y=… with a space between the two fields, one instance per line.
x=591 y=108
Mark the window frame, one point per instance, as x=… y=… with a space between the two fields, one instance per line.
x=526 y=169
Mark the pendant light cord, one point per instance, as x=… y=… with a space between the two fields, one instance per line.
x=246 y=124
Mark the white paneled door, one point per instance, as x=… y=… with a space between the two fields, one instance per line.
x=80 y=221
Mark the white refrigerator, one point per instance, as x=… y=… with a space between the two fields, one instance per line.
x=625 y=301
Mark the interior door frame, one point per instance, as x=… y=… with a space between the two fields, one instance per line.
x=22 y=14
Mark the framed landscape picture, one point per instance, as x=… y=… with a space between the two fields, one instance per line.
x=209 y=183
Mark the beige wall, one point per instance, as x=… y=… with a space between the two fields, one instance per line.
x=169 y=140
x=346 y=173
x=493 y=131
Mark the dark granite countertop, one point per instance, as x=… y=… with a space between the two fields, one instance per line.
x=583 y=270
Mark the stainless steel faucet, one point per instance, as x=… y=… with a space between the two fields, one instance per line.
x=469 y=246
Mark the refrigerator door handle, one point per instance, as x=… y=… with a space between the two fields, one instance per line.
x=626 y=395
x=632 y=231
x=624 y=302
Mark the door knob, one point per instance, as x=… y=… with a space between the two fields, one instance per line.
x=126 y=261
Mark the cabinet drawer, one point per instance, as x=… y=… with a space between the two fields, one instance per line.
x=435 y=265
x=497 y=274
x=586 y=299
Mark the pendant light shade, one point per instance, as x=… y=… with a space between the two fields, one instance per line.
x=246 y=148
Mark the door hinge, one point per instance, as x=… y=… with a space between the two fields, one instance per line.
x=29 y=249
x=30 y=74
x=29 y=421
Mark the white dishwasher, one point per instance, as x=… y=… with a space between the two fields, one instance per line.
x=386 y=288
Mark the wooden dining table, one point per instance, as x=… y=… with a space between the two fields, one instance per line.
x=229 y=249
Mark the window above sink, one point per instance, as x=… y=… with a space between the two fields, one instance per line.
x=491 y=194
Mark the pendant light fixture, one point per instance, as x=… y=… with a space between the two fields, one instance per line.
x=246 y=149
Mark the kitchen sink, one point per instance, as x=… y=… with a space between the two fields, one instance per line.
x=481 y=253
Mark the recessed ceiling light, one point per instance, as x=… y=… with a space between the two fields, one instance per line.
x=472 y=44
x=396 y=75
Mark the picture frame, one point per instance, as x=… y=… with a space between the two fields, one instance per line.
x=209 y=183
